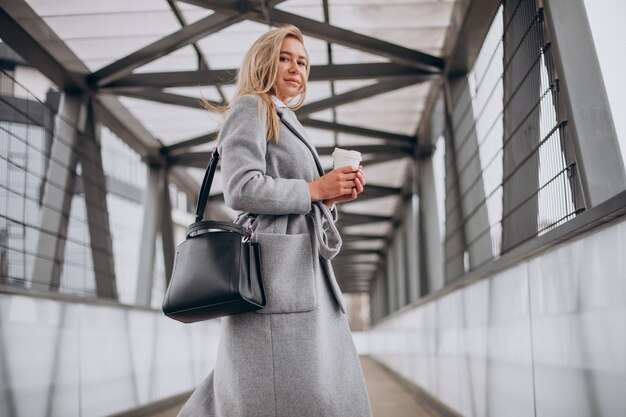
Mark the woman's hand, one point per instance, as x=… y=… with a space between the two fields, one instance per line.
x=359 y=185
x=336 y=183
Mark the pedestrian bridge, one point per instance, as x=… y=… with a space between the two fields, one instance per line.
x=483 y=266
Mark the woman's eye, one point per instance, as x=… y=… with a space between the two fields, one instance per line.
x=284 y=58
x=302 y=63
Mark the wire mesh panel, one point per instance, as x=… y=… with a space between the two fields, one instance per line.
x=26 y=135
x=515 y=167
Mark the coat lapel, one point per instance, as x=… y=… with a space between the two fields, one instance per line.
x=289 y=119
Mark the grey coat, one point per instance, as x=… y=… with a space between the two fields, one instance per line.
x=294 y=358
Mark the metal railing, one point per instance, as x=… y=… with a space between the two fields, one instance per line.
x=27 y=134
x=515 y=168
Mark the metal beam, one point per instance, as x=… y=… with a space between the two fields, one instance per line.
x=150 y=230
x=188 y=143
x=399 y=151
x=195 y=159
x=22 y=29
x=165 y=98
x=349 y=252
x=469 y=26
x=185 y=36
x=357 y=218
x=327 y=32
x=116 y=117
x=199 y=159
x=372 y=191
x=359 y=238
x=167 y=226
x=95 y=189
x=57 y=200
x=232 y=11
x=217 y=77
x=598 y=154
x=355 y=95
x=360 y=131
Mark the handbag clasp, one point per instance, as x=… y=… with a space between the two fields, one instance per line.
x=248 y=229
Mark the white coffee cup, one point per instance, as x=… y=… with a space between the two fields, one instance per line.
x=344 y=157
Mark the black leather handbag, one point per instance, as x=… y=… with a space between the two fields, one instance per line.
x=217 y=269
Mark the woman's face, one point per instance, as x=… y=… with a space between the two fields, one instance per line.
x=292 y=65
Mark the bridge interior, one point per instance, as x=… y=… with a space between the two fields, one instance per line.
x=483 y=266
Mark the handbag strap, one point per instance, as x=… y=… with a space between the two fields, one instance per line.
x=206 y=185
x=308 y=145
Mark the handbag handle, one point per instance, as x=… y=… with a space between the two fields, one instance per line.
x=206 y=185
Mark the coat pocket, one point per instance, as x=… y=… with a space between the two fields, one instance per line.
x=288 y=274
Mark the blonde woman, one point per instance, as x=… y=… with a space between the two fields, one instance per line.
x=294 y=358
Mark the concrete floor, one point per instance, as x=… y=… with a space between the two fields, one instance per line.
x=387 y=396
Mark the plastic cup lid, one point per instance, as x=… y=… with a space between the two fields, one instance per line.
x=345 y=152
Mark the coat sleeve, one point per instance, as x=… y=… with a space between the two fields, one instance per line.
x=242 y=147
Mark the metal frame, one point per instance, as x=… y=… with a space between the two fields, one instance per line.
x=218 y=77
x=595 y=140
x=57 y=200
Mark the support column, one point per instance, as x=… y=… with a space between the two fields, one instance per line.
x=429 y=229
x=150 y=229
x=455 y=241
x=57 y=199
x=591 y=122
x=95 y=189
x=167 y=228
x=412 y=249
x=392 y=293
x=157 y=219
x=400 y=267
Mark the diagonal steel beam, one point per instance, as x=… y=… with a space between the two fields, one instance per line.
x=199 y=159
x=378 y=149
x=372 y=191
x=364 y=71
x=166 y=98
x=173 y=79
x=203 y=63
x=233 y=12
x=185 y=144
x=357 y=218
x=346 y=252
x=185 y=36
x=29 y=36
x=22 y=30
x=327 y=32
x=349 y=237
x=360 y=131
x=355 y=95
x=195 y=159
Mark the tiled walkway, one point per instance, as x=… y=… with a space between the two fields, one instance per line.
x=388 y=397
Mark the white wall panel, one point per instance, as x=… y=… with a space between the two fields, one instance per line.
x=545 y=337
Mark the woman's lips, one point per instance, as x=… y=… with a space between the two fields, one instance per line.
x=293 y=82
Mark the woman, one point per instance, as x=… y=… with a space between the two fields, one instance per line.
x=294 y=358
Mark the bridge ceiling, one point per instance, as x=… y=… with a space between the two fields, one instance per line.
x=374 y=63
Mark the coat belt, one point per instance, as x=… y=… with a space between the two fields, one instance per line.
x=328 y=240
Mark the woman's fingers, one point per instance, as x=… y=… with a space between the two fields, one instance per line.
x=359 y=186
x=361 y=175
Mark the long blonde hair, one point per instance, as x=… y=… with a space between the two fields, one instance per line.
x=259 y=72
